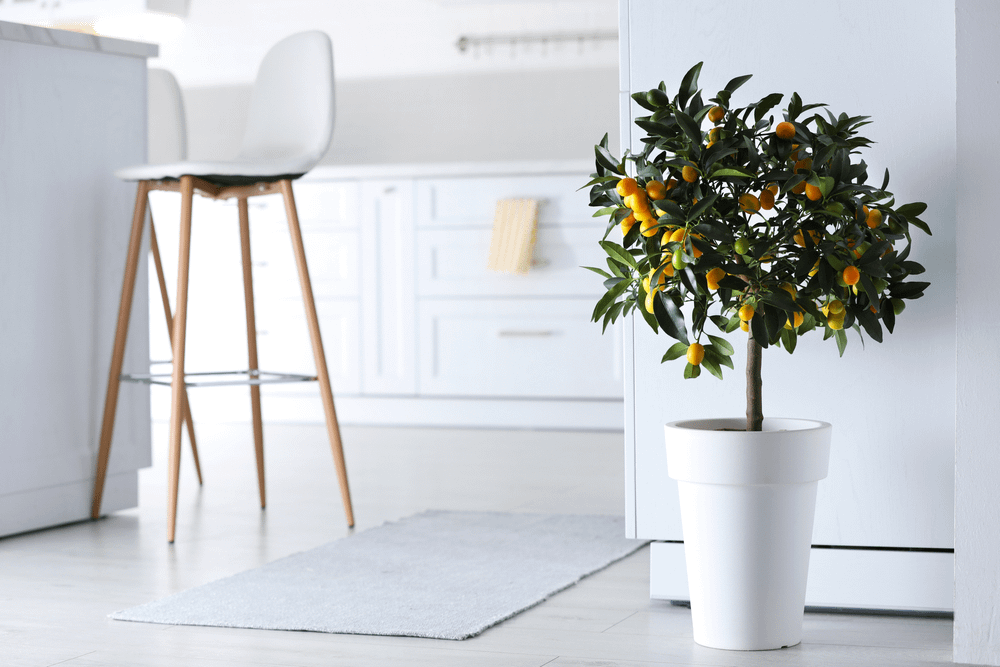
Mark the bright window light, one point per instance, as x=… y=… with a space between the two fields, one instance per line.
x=150 y=27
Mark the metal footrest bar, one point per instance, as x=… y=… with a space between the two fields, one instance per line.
x=219 y=378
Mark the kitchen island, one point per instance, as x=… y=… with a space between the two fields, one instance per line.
x=72 y=110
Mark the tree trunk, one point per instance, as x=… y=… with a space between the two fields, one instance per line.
x=755 y=409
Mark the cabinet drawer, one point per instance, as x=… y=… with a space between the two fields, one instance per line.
x=471 y=201
x=452 y=262
x=331 y=255
x=517 y=348
x=283 y=344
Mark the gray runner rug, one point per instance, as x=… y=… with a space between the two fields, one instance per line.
x=443 y=575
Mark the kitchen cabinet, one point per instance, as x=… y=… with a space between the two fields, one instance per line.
x=72 y=111
x=416 y=329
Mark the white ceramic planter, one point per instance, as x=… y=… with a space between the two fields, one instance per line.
x=747 y=503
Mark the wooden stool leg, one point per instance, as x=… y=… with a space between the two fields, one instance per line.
x=118 y=350
x=258 y=426
x=188 y=419
x=178 y=341
x=326 y=392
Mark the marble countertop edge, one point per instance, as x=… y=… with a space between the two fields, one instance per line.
x=19 y=32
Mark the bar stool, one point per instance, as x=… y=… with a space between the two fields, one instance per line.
x=289 y=128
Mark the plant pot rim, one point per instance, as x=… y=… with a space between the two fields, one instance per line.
x=738 y=425
x=789 y=451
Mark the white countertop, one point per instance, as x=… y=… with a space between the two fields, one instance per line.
x=444 y=169
x=18 y=32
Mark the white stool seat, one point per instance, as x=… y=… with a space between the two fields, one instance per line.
x=289 y=121
x=223 y=172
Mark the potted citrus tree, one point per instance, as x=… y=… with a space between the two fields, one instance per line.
x=732 y=219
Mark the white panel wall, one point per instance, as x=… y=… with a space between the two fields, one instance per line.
x=891 y=405
x=977 y=512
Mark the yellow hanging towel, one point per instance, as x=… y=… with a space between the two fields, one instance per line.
x=515 y=226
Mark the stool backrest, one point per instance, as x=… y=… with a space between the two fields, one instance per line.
x=167 y=138
x=292 y=104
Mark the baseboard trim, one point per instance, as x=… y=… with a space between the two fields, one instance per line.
x=232 y=404
x=856 y=579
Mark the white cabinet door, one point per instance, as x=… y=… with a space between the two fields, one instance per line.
x=388 y=288
x=452 y=262
x=471 y=201
x=517 y=348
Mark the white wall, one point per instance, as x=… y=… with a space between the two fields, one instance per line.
x=493 y=116
x=223 y=40
x=977 y=510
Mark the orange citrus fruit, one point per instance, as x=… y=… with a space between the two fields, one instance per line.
x=766 y=199
x=656 y=190
x=671 y=184
x=785 y=130
x=648 y=228
x=713 y=277
x=627 y=223
x=626 y=187
x=744 y=326
x=813 y=192
x=851 y=275
x=874 y=218
x=749 y=203
x=746 y=312
x=715 y=114
x=689 y=174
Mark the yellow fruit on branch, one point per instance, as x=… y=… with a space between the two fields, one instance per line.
x=648 y=228
x=627 y=223
x=766 y=199
x=795 y=321
x=656 y=190
x=785 y=130
x=695 y=353
x=713 y=277
x=749 y=203
x=745 y=326
x=671 y=184
x=715 y=134
x=689 y=174
x=813 y=193
x=746 y=312
x=626 y=187
x=805 y=164
x=715 y=114
x=649 y=302
x=836 y=306
x=874 y=218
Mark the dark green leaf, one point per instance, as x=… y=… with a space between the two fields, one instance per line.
x=702 y=206
x=721 y=344
x=605 y=301
x=615 y=250
x=599 y=272
x=689 y=126
x=607 y=160
x=689 y=84
x=766 y=105
x=691 y=371
x=676 y=351
x=910 y=290
x=669 y=317
x=737 y=82
x=870 y=324
x=711 y=366
x=841 y=337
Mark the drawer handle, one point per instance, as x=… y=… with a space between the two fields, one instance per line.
x=516 y=333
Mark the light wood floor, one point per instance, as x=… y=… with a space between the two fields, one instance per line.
x=57 y=586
